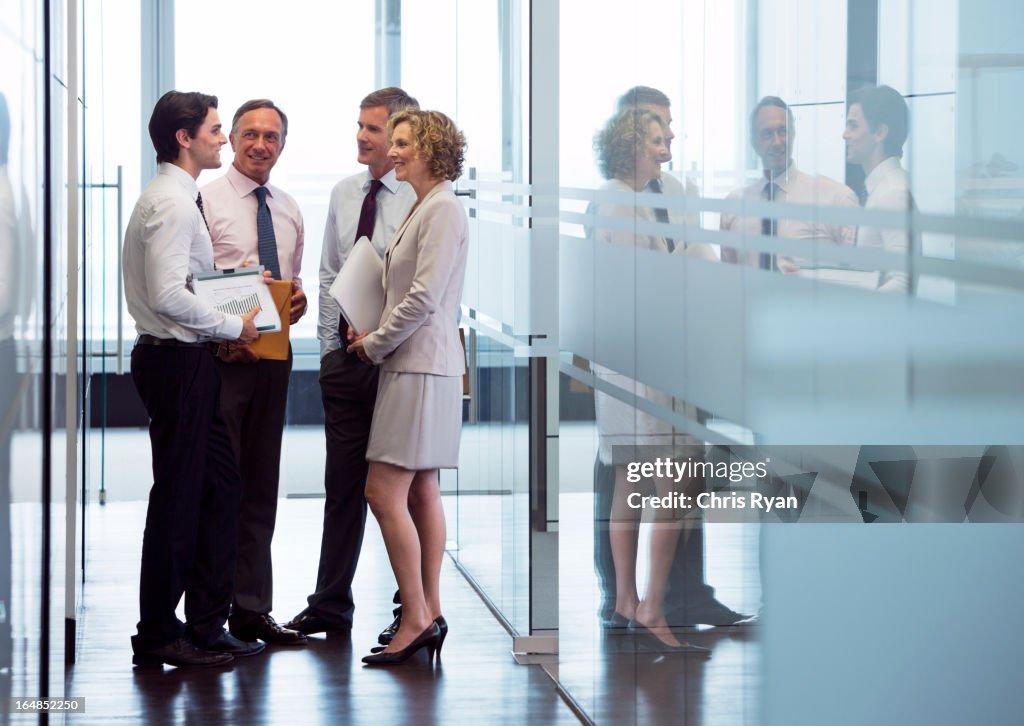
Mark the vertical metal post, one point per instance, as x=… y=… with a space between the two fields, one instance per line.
x=388 y=43
x=157 y=76
x=543 y=324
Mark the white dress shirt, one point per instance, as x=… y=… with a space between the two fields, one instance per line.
x=394 y=200
x=888 y=188
x=166 y=242
x=231 y=205
x=798 y=188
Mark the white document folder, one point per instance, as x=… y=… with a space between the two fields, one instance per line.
x=359 y=287
x=236 y=292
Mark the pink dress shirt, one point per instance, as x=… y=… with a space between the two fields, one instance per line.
x=231 y=213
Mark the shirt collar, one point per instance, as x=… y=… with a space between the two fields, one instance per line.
x=881 y=171
x=784 y=181
x=389 y=180
x=179 y=175
x=242 y=184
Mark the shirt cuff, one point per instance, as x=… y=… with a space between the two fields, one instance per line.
x=232 y=328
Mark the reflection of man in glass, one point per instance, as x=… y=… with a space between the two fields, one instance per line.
x=664 y=183
x=630 y=148
x=876 y=129
x=772 y=135
x=688 y=600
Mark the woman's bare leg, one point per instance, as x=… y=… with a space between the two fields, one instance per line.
x=387 y=493
x=623 y=531
x=428 y=516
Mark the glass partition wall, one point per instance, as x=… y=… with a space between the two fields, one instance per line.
x=39 y=118
x=638 y=289
x=790 y=238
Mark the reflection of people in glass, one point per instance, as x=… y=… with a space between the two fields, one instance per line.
x=689 y=600
x=654 y=100
x=772 y=135
x=876 y=129
x=630 y=149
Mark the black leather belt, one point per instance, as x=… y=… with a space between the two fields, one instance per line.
x=146 y=339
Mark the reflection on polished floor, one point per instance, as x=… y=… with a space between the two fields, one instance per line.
x=604 y=674
x=323 y=683
x=616 y=682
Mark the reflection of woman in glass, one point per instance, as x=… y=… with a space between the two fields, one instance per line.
x=630 y=148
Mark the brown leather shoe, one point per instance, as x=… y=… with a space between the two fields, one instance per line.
x=181 y=653
x=250 y=626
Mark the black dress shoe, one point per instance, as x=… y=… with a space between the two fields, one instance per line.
x=428 y=639
x=388 y=634
x=307 y=622
x=227 y=643
x=616 y=624
x=182 y=653
x=253 y=626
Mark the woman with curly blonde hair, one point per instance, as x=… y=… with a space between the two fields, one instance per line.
x=417 y=420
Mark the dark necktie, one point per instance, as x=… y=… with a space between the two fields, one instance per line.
x=769 y=226
x=660 y=213
x=267 y=241
x=202 y=212
x=368 y=214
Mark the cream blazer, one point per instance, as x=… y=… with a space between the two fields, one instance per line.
x=424 y=269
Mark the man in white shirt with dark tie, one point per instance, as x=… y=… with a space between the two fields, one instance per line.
x=253 y=222
x=772 y=135
x=372 y=203
x=191 y=531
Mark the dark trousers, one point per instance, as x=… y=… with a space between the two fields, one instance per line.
x=349 y=389
x=192 y=521
x=686 y=586
x=253 y=400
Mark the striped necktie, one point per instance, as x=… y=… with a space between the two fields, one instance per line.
x=265 y=235
x=660 y=213
x=202 y=212
x=769 y=226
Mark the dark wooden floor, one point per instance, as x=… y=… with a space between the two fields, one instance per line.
x=323 y=683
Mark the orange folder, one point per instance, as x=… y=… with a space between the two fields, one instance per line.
x=274 y=346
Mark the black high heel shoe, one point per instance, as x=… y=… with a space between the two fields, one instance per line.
x=646 y=640
x=442 y=625
x=427 y=639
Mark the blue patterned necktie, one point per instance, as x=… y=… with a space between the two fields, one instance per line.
x=265 y=235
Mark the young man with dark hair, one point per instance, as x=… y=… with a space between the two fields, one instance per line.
x=191 y=531
x=876 y=129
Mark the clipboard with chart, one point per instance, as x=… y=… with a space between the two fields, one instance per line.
x=236 y=292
